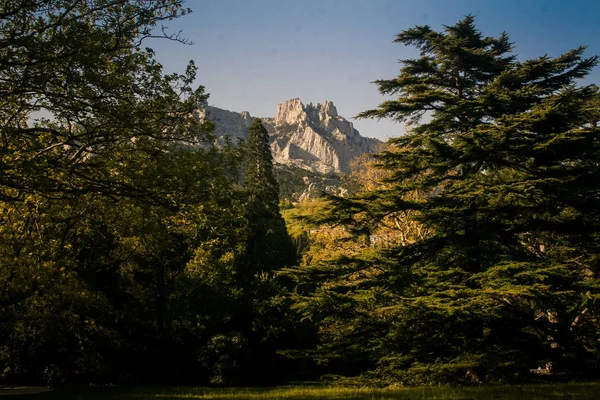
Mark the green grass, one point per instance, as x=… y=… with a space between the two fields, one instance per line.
x=516 y=392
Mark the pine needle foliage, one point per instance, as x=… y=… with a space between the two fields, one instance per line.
x=505 y=157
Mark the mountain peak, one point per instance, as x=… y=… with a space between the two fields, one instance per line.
x=312 y=137
x=327 y=108
x=290 y=112
x=293 y=111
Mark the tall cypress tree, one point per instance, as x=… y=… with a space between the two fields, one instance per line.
x=268 y=245
x=507 y=165
x=268 y=248
x=243 y=347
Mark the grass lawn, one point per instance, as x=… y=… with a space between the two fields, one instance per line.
x=520 y=392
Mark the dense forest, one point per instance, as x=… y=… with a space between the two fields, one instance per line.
x=133 y=249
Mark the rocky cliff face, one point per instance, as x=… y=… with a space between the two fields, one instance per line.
x=312 y=137
x=228 y=123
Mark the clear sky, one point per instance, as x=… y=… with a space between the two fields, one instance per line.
x=254 y=54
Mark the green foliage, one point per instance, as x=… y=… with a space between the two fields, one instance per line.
x=100 y=286
x=103 y=202
x=504 y=279
x=130 y=250
x=236 y=271
x=134 y=250
x=77 y=89
x=268 y=246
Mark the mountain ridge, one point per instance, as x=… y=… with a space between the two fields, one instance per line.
x=313 y=137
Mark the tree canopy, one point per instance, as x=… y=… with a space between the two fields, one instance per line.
x=104 y=195
x=498 y=166
x=76 y=85
x=133 y=249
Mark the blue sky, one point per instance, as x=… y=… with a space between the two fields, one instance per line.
x=254 y=54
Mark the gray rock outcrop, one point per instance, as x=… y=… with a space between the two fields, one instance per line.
x=312 y=137
x=228 y=123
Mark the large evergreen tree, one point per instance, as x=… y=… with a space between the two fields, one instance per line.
x=247 y=327
x=268 y=246
x=504 y=164
x=268 y=249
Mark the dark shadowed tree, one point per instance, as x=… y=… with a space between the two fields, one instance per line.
x=268 y=246
x=247 y=328
x=95 y=201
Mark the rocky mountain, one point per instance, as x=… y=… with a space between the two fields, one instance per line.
x=311 y=137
